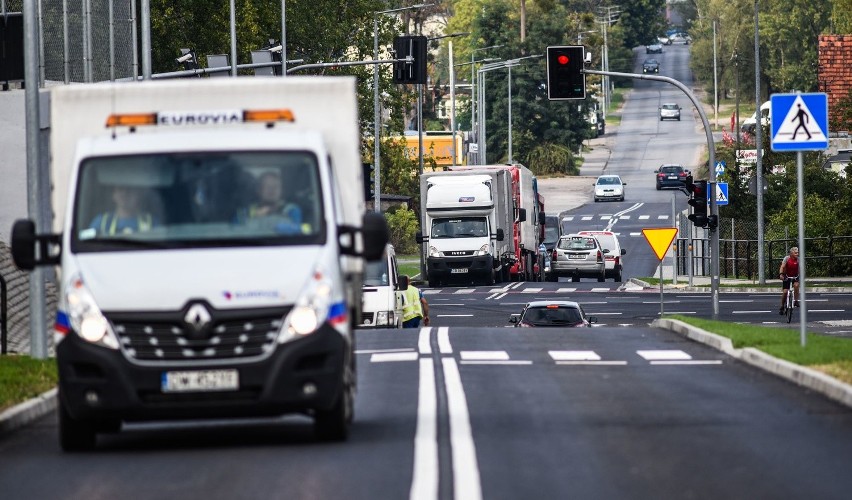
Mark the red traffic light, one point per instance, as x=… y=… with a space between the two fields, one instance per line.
x=562 y=59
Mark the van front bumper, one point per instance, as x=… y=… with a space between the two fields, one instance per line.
x=100 y=384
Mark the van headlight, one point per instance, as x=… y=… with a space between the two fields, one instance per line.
x=85 y=317
x=483 y=250
x=311 y=310
x=433 y=252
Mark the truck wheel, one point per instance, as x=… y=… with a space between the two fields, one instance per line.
x=74 y=435
x=575 y=278
x=433 y=283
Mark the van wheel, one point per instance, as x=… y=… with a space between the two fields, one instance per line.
x=333 y=424
x=618 y=276
x=74 y=435
x=575 y=279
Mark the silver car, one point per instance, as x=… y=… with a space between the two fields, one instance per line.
x=670 y=111
x=577 y=256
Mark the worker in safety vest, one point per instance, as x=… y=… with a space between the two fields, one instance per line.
x=414 y=306
x=127 y=217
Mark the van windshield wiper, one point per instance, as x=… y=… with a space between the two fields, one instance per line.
x=127 y=242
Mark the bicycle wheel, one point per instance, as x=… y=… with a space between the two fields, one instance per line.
x=790 y=307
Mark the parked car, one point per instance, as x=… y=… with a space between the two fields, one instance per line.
x=654 y=48
x=609 y=187
x=670 y=111
x=670 y=175
x=577 y=256
x=839 y=162
x=550 y=313
x=613 y=253
x=680 y=38
x=651 y=66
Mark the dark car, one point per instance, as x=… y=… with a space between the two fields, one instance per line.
x=550 y=313
x=670 y=175
x=651 y=66
x=654 y=48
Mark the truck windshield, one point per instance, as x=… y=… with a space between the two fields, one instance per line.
x=206 y=199
x=459 y=227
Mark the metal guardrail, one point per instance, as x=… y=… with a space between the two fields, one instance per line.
x=827 y=256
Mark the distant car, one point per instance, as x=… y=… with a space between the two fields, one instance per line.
x=609 y=187
x=680 y=38
x=839 y=162
x=654 y=48
x=670 y=111
x=578 y=257
x=664 y=40
x=651 y=66
x=613 y=253
x=670 y=175
x=553 y=313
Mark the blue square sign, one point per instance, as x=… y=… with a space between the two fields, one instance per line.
x=799 y=122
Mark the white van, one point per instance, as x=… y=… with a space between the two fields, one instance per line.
x=750 y=123
x=613 y=253
x=382 y=293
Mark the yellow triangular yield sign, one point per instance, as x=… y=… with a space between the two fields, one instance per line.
x=660 y=239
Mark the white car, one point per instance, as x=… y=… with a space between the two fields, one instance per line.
x=613 y=253
x=670 y=111
x=609 y=187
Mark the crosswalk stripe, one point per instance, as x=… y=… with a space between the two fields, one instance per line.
x=664 y=355
x=484 y=356
x=574 y=355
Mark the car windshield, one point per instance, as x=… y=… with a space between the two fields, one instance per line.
x=186 y=200
x=671 y=170
x=459 y=227
x=609 y=180
x=577 y=244
x=552 y=315
x=670 y=106
x=651 y=61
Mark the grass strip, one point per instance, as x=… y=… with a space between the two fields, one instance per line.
x=23 y=378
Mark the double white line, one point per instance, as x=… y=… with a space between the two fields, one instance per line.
x=426 y=477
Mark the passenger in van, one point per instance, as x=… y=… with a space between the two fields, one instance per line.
x=270 y=203
x=127 y=217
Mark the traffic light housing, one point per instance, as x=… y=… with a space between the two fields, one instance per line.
x=698 y=201
x=369 y=181
x=565 y=77
x=414 y=46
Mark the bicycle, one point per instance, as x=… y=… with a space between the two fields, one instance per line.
x=789 y=303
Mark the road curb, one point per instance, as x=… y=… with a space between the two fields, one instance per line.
x=27 y=412
x=800 y=375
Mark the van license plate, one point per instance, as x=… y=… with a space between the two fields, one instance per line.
x=200 y=381
x=458 y=271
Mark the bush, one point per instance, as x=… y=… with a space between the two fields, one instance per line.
x=402 y=223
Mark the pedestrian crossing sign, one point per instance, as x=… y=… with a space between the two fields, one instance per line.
x=799 y=122
x=721 y=193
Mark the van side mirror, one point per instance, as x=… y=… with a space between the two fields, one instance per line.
x=522 y=214
x=374 y=237
x=500 y=235
x=401 y=284
x=24 y=244
x=418 y=237
x=623 y=251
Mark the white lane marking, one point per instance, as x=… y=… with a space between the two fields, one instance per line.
x=375 y=351
x=493 y=295
x=825 y=310
x=750 y=312
x=644 y=217
x=568 y=219
x=601 y=289
x=484 y=355
x=662 y=217
x=465 y=466
x=657 y=302
x=431 y=291
x=423 y=345
x=664 y=355
x=444 y=340
x=462 y=291
x=592 y=363
x=586 y=217
x=424 y=483
x=566 y=290
x=454 y=315
x=574 y=355
x=516 y=285
x=605 y=313
x=509 y=362
x=689 y=362
x=624 y=217
x=635 y=234
x=381 y=357
x=734 y=301
x=500 y=296
x=606 y=217
x=532 y=290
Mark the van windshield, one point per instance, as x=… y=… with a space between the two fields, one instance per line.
x=376 y=273
x=185 y=200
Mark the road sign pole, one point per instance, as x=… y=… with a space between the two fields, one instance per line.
x=803 y=310
x=661 y=288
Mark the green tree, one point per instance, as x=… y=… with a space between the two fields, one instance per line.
x=642 y=21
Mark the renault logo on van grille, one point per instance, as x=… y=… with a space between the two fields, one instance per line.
x=197 y=317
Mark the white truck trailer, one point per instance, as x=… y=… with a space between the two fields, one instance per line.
x=467 y=216
x=211 y=238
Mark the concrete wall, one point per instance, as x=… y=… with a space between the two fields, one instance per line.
x=13 y=161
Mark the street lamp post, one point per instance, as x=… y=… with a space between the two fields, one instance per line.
x=471 y=156
x=377 y=204
x=474 y=107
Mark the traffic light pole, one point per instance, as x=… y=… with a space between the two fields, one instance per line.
x=711 y=185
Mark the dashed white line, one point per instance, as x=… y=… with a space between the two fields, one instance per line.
x=664 y=355
x=466 y=482
x=574 y=355
x=484 y=355
x=423 y=345
x=689 y=362
x=382 y=357
x=424 y=483
x=444 y=340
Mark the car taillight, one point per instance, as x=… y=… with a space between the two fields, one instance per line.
x=661 y=174
x=553 y=256
x=600 y=256
x=616 y=260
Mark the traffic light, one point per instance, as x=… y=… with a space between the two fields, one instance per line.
x=565 y=77
x=369 y=181
x=698 y=201
x=414 y=46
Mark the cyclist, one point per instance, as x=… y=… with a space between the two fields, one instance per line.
x=789 y=269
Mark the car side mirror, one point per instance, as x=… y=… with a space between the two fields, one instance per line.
x=514 y=318
x=623 y=183
x=592 y=319
x=623 y=251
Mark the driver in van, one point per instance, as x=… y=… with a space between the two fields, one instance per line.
x=127 y=217
x=270 y=203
